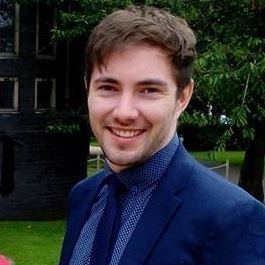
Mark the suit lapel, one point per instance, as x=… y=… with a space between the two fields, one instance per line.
x=163 y=204
x=80 y=209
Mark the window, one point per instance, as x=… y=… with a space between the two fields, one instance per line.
x=9 y=28
x=45 y=48
x=45 y=93
x=8 y=94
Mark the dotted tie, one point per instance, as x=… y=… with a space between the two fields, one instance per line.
x=108 y=226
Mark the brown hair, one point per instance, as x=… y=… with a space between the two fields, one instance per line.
x=144 y=25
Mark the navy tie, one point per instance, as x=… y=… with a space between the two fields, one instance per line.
x=108 y=226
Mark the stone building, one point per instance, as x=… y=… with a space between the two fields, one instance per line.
x=36 y=75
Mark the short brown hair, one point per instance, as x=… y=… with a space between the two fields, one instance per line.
x=144 y=25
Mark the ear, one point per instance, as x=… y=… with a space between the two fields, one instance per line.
x=184 y=97
x=85 y=81
x=86 y=85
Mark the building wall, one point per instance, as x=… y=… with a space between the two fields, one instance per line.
x=46 y=165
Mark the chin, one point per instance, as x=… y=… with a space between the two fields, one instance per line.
x=122 y=162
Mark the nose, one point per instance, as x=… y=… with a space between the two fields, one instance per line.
x=126 y=110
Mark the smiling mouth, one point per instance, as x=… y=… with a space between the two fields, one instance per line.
x=126 y=133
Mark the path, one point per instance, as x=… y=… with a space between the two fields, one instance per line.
x=234 y=173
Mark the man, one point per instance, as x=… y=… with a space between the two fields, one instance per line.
x=170 y=209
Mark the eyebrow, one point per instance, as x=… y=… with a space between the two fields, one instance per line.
x=145 y=82
x=106 y=80
x=152 y=81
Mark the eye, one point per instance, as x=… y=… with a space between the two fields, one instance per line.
x=107 y=88
x=150 y=90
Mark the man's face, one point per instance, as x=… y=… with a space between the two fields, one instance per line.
x=132 y=105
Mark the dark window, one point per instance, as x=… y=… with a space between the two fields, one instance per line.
x=8 y=94
x=45 y=93
x=7 y=26
x=45 y=23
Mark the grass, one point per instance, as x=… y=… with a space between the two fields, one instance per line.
x=235 y=157
x=32 y=242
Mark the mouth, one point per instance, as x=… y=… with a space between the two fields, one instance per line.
x=126 y=133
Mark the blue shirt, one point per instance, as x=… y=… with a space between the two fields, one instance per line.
x=140 y=182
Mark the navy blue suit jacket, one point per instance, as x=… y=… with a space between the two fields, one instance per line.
x=193 y=217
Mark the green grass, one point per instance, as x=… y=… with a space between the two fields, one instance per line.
x=235 y=157
x=32 y=242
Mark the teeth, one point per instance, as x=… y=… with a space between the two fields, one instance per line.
x=126 y=133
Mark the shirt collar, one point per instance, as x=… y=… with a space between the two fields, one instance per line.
x=146 y=174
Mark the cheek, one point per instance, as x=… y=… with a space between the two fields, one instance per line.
x=100 y=114
x=160 y=113
x=98 y=108
x=94 y=116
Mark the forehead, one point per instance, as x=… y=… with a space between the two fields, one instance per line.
x=142 y=61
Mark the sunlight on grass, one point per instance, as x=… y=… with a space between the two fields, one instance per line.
x=32 y=243
x=235 y=157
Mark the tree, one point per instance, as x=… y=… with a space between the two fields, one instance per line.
x=231 y=76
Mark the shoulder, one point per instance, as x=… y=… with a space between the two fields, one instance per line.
x=225 y=216
x=235 y=218
x=87 y=185
x=210 y=191
x=214 y=188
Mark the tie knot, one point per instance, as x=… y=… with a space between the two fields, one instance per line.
x=114 y=184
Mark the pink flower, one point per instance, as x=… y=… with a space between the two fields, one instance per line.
x=5 y=261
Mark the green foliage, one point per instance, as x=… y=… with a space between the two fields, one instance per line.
x=194 y=118
x=229 y=71
x=76 y=18
x=68 y=121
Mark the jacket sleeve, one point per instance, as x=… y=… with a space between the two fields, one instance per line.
x=241 y=238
